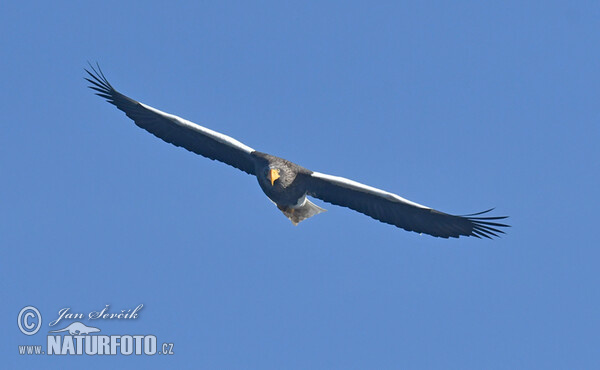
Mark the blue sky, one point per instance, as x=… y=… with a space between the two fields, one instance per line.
x=460 y=106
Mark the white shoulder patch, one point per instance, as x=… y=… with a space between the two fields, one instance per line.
x=353 y=185
x=202 y=130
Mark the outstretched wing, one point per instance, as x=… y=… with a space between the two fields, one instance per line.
x=395 y=210
x=175 y=130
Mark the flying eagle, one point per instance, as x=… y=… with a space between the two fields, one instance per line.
x=287 y=184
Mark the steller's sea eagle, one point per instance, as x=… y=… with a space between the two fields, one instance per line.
x=288 y=184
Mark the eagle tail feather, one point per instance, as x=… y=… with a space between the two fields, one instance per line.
x=301 y=213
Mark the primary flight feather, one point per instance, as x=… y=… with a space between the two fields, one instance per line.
x=288 y=184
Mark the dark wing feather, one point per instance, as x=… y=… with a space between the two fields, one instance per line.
x=395 y=210
x=175 y=130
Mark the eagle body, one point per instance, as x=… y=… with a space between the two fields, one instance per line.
x=288 y=192
x=288 y=188
x=289 y=185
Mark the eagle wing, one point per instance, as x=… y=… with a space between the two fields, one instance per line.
x=395 y=210
x=175 y=130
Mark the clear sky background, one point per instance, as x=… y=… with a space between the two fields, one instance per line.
x=460 y=106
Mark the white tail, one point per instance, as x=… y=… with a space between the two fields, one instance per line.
x=301 y=213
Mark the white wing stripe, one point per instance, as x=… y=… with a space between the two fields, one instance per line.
x=349 y=184
x=208 y=132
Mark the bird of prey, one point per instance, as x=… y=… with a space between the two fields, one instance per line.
x=287 y=184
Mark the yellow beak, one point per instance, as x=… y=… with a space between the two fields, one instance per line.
x=273 y=175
